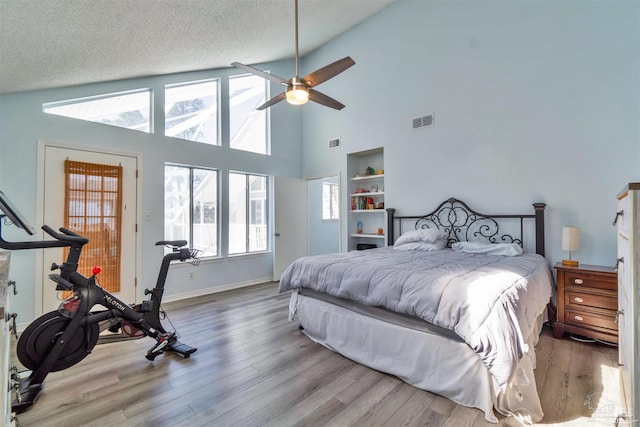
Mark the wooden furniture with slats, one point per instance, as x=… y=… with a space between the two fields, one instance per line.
x=587 y=302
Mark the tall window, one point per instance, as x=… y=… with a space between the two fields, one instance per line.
x=248 y=217
x=248 y=126
x=330 y=196
x=191 y=207
x=191 y=111
x=131 y=110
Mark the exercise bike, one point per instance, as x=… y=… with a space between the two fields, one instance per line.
x=60 y=339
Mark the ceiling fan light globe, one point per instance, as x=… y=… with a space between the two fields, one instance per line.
x=297 y=95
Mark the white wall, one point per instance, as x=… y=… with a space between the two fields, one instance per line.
x=533 y=101
x=22 y=124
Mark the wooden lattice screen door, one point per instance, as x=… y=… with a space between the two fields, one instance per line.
x=93 y=208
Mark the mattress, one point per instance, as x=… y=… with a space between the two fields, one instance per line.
x=490 y=301
x=421 y=356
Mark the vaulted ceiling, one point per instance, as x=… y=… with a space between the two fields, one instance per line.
x=55 y=43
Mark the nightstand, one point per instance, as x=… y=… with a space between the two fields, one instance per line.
x=587 y=302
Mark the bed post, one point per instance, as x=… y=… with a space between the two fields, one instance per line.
x=539 y=208
x=390 y=223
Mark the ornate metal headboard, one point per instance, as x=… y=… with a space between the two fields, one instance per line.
x=464 y=224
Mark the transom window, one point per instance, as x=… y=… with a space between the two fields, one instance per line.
x=247 y=126
x=131 y=110
x=191 y=111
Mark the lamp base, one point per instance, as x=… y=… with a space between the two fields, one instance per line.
x=570 y=262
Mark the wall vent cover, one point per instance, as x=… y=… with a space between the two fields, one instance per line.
x=423 y=121
x=334 y=143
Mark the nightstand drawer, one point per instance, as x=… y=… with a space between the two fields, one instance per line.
x=584 y=318
x=579 y=279
x=578 y=299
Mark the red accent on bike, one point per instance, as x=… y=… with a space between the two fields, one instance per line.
x=96 y=270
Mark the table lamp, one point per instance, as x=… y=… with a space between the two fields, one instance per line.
x=571 y=243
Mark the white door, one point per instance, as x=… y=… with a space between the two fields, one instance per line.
x=290 y=219
x=53 y=216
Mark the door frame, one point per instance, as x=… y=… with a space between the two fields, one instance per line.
x=40 y=164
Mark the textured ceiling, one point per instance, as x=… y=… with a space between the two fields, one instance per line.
x=54 y=43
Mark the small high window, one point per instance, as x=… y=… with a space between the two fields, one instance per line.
x=247 y=126
x=131 y=110
x=191 y=111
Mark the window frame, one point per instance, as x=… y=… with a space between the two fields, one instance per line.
x=247 y=209
x=150 y=123
x=218 y=82
x=190 y=237
x=267 y=112
x=333 y=187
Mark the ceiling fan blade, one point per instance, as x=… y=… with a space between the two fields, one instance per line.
x=325 y=73
x=325 y=100
x=272 y=101
x=260 y=73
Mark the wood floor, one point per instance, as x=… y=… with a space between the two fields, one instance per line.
x=254 y=368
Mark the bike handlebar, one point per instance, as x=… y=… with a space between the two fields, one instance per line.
x=67 y=236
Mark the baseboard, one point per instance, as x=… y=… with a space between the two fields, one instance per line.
x=215 y=290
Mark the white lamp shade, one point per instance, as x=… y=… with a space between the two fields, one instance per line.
x=570 y=239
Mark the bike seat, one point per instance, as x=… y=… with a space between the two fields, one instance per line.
x=173 y=243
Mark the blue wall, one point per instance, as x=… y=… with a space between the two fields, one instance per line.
x=533 y=101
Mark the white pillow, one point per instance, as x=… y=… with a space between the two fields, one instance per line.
x=428 y=235
x=422 y=246
x=508 y=249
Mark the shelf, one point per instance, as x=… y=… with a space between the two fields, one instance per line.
x=368 y=235
x=370 y=193
x=367 y=177
x=366 y=210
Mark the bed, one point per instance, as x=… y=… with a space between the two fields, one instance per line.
x=454 y=305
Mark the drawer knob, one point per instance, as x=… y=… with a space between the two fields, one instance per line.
x=578 y=281
x=578 y=318
x=618 y=313
x=578 y=299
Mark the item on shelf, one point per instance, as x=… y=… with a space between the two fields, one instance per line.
x=380 y=231
x=364 y=246
x=359 y=227
x=380 y=172
x=370 y=171
x=374 y=188
x=380 y=205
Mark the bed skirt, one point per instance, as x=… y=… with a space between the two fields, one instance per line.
x=425 y=359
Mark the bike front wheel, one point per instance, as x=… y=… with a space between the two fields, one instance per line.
x=40 y=336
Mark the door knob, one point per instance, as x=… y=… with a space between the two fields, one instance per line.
x=276 y=234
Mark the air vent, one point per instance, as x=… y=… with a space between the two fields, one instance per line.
x=334 y=143
x=421 y=122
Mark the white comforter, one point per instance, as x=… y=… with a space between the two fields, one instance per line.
x=490 y=301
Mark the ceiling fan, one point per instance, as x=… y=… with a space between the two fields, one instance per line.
x=300 y=90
